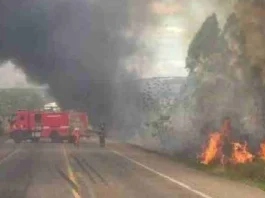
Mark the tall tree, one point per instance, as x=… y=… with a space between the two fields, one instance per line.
x=204 y=43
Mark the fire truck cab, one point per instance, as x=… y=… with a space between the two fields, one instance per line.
x=32 y=125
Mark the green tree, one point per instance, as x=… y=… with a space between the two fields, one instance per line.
x=204 y=43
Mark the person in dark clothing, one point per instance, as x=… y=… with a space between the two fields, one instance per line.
x=102 y=135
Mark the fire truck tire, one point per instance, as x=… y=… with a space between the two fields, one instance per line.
x=55 y=138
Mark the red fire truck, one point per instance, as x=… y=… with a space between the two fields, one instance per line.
x=32 y=125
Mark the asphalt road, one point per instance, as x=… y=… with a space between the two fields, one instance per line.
x=49 y=170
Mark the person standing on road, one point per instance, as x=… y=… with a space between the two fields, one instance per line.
x=76 y=135
x=102 y=135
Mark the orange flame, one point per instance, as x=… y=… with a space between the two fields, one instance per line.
x=262 y=150
x=212 y=148
x=240 y=154
x=215 y=143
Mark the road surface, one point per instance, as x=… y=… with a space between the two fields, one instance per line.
x=49 y=170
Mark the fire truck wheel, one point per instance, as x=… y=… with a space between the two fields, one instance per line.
x=55 y=137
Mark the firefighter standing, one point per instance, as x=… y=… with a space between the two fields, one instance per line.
x=76 y=135
x=102 y=135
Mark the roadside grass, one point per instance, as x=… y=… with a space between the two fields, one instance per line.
x=250 y=173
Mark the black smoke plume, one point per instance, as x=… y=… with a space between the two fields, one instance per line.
x=77 y=47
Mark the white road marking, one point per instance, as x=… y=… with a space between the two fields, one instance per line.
x=8 y=155
x=163 y=175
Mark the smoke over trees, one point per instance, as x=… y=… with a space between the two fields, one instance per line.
x=228 y=68
x=80 y=49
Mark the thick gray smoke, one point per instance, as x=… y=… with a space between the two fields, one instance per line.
x=77 y=47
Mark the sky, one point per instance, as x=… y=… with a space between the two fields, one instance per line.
x=179 y=22
x=168 y=40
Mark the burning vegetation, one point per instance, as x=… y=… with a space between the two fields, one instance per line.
x=226 y=77
x=220 y=147
x=212 y=148
x=240 y=153
x=262 y=150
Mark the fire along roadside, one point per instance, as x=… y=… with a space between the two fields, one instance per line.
x=217 y=144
